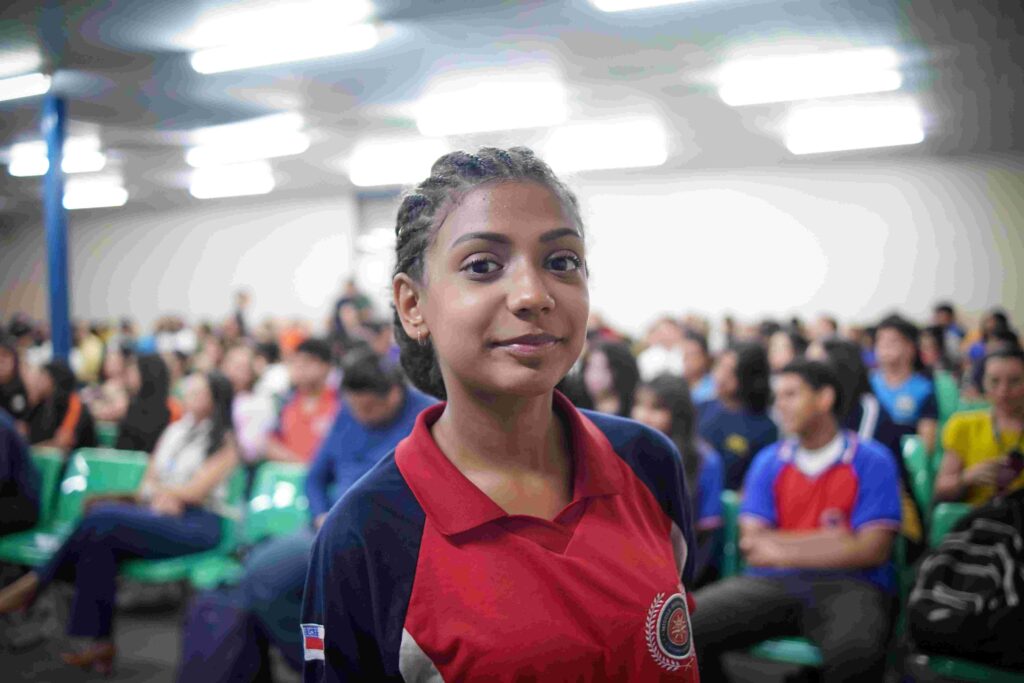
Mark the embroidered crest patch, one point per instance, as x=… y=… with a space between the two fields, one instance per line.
x=667 y=631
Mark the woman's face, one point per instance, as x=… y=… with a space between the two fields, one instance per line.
x=504 y=295
x=133 y=378
x=649 y=411
x=38 y=384
x=780 y=351
x=198 y=400
x=1004 y=383
x=695 y=361
x=726 y=382
x=113 y=365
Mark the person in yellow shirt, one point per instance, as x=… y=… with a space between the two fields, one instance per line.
x=984 y=450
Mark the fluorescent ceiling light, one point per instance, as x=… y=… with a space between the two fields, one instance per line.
x=232 y=181
x=16 y=62
x=811 y=76
x=394 y=162
x=246 y=24
x=247 y=130
x=285 y=46
x=626 y=5
x=265 y=147
x=81 y=155
x=626 y=143
x=839 y=127
x=479 y=102
x=92 y=193
x=28 y=85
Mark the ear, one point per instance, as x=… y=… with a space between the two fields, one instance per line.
x=827 y=399
x=407 y=296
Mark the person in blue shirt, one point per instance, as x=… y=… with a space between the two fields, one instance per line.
x=19 y=481
x=664 y=404
x=736 y=424
x=697 y=367
x=899 y=383
x=378 y=410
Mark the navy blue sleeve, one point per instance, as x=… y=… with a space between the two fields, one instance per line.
x=360 y=580
x=18 y=476
x=929 y=407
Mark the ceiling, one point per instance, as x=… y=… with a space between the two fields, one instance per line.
x=124 y=70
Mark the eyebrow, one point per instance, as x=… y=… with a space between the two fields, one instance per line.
x=549 y=236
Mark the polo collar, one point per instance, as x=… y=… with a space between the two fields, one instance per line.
x=454 y=504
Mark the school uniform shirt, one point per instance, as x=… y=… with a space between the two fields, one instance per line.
x=971 y=436
x=351 y=448
x=302 y=430
x=849 y=484
x=418 y=576
x=908 y=403
x=710 y=483
x=736 y=435
x=704 y=390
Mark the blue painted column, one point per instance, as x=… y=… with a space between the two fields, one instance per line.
x=55 y=220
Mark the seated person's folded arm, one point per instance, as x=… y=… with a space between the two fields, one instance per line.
x=275 y=450
x=765 y=546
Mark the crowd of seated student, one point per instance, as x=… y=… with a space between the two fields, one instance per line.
x=717 y=408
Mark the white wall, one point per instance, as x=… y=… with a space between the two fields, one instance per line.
x=857 y=240
x=292 y=256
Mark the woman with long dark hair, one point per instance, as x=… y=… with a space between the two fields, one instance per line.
x=149 y=382
x=58 y=417
x=176 y=511
x=610 y=376
x=736 y=423
x=664 y=404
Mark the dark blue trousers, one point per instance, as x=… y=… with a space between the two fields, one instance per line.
x=118 y=531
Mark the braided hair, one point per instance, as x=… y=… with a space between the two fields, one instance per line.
x=425 y=208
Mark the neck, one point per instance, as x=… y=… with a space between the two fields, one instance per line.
x=501 y=433
x=819 y=434
x=897 y=374
x=731 y=402
x=1011 y=416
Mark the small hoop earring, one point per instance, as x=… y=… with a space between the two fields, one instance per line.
x=421 y=338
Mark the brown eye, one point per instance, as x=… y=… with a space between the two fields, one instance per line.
x=481 y=267
x=565 y=263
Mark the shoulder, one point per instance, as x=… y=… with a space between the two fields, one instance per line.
x=636 y=443
x=378 y=515
x=921 y=382
x=969 y=420
x=417 y=401
x=874 y=457
x=768 y=458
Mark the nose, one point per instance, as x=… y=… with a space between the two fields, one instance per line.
x=528 y=294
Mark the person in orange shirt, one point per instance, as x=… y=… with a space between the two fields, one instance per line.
x=310 y=411
x=58 y=417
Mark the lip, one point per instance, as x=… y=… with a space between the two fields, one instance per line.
x=529 y=345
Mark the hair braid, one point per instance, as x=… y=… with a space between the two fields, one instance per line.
x=424 y=209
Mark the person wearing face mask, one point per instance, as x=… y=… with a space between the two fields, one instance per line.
x=510 y=536
x=176 y=511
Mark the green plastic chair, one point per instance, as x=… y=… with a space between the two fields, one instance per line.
x=88 y=472
x=277 y=506
x=947 y=395
x=181 y=568
x=48 y=464
x=731 y=559
x=106 y=434
x=945 y=518
x=919 y=466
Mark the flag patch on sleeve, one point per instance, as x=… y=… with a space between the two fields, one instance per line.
x=313 y=641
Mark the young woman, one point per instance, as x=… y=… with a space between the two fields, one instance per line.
x=510 y=536
x=57 y=416
x=176 y=511
x=108 y=400
x=13 y=395
x=664 y=404
x=900 y=382
x=984 y=449
x=736 y=424
x=148 y=414
x=610 y=376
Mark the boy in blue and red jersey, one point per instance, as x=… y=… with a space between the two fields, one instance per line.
x=817 y=523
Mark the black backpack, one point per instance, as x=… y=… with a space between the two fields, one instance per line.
x=968 y=600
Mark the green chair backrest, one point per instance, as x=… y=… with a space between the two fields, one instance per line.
x=947 y=395
x=278 y=503
x=235 y=499
x=106 y=434
x=944 y=518
x=48 y=464
x=92 y=471
x=919 y=468
x=731 y=558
